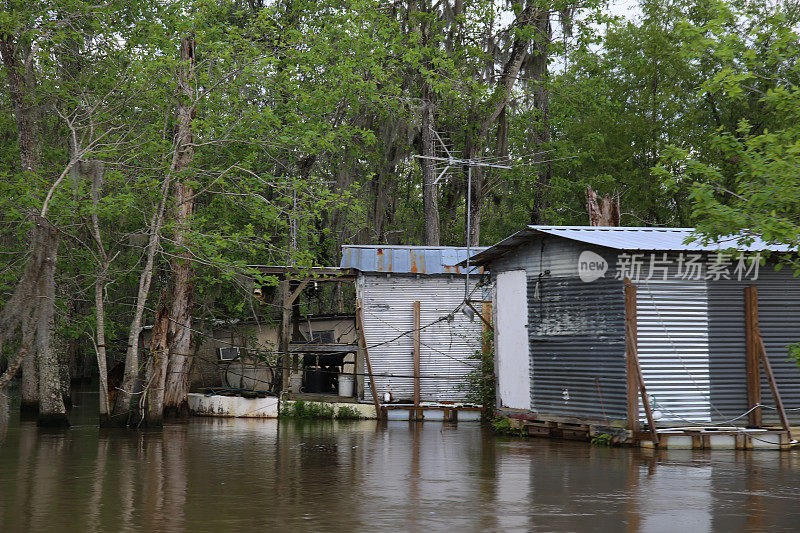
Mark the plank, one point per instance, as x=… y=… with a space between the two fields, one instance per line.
x=630 y=350
x=362 y=339
x=751 y=356
x=773 y=385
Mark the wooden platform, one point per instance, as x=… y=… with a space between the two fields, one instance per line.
x=675 y=438
x=571 y=429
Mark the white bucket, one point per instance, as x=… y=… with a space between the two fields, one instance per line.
x=346 y=385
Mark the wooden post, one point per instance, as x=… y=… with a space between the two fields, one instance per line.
x=285 y=332
x=752 y=355
x=417 y=339
x=486 y=316
x=773 y=385
x=630 y=351
x=636 y=386
x=362 y=340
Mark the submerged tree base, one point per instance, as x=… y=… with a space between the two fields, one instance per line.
x=55 y=420
x=28 y=410
x=179 y=413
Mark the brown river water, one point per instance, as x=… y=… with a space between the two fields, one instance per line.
x=220 y=475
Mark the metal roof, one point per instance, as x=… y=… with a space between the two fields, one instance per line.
x=407 y=259
x=625 y=238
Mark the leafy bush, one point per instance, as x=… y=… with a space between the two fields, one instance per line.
x=602 y=440
x=502 y=426
x=346 y=412
x=306 y=410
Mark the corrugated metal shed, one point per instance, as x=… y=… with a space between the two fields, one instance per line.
x=449 y=340
x=407 y=259
x=690 y=332
x=623 y=238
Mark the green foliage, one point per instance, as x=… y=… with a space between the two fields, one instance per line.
x=749 y=182
x=480 y=386
x=302 y=410
x=345 y=412
x=502 y=426
x=601 y=440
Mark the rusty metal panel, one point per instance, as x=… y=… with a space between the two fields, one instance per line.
x=407 y=259
x=447 y=344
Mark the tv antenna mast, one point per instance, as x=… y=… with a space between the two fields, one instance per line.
x=450 y=161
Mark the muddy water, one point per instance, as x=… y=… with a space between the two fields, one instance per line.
x=242 y=475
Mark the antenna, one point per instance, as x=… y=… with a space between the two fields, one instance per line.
x=449 y=162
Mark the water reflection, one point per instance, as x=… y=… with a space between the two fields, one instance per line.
x=217 y=475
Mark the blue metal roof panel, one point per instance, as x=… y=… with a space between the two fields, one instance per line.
x=407 y=259
x=651 y=239
x=625 y=238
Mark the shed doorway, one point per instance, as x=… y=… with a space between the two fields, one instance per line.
x=511 y=340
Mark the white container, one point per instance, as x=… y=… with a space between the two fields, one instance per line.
x=346 y=385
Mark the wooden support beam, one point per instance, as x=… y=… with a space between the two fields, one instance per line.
x=635 y=385
x=752 y=355
x=487 y=322
x=630 y=351
x=284 y=335
x=362 y=339
x=297 y=291
x=417 y=343
x=773 y=385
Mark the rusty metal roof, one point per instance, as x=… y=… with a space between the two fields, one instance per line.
x=407 y=259
x=625 y=238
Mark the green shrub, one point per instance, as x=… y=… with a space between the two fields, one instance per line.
x=303 y=410
x=602 y=440
x=502 y=426
x=346 y=412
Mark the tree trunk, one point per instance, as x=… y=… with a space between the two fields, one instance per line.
x=180 y=325
x=541 y=101
x=21 y=85
x=29 y=387
x=100 y=342
x=96 y=172
x=491 y=111
x=430 y=198
x=605 y=212
x=22 y=308
x=19 y=75
x=51 y=403
x=156 y=369
x=126 y=393
x=176 y=394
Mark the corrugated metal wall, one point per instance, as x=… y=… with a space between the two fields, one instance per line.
x=779 y=321
x=672 y=320
x=691 y=338
x=446 y=346
x=577 y=344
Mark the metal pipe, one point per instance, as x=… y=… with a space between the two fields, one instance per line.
x=469 y=227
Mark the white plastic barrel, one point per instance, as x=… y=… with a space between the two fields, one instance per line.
x=346 y=385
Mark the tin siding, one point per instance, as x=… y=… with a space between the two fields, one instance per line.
x=576 y=330
x=577 y=343
x=673 y=349
x=779 y=321
x=446 y=346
